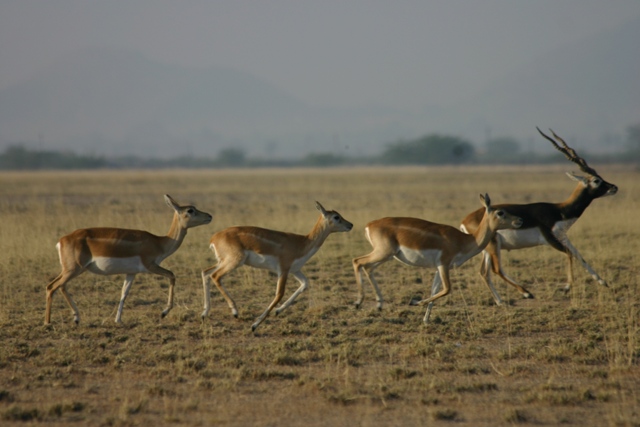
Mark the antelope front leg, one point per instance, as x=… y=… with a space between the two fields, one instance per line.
x=493 y=262
x=443 y=274
x=485 y=273
x=581 y=260
x=170 y=299
x=435 y=288
x=304 y=284
x=561 y=242
x=282 y=281
x=156 y=269
x=126 y=287
x=569 y=272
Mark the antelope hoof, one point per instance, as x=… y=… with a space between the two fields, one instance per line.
x=414 y=301
x=528 y=295
x=253 y=327
x=603 y=283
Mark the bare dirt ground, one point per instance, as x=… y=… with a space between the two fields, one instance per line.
x=560 y=359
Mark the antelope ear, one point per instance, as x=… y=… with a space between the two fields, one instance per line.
x=578 y=178
x=486 y=201
x=320 y=208
x=171 y=203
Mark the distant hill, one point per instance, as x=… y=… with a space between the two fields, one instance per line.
x=583 y=91
x=111 y=102
x=103 y=96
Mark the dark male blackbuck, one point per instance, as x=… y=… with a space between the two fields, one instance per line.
x=543 y=223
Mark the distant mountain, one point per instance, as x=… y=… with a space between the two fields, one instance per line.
x=113 y=102
x=101 y=97
x=583 y=91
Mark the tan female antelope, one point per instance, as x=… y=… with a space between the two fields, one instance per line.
x=109 y=251
x=276 y=251
x=421 y=243
x=543 y=223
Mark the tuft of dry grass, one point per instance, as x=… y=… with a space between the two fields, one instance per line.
x=561 y=358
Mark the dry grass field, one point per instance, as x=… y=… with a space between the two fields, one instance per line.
x=560 y=359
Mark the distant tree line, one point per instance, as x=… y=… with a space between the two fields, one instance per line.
x=17 y=157
x=430 y=149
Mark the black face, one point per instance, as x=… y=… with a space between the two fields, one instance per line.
x=600 y=188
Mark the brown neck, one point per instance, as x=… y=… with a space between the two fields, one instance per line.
x=484 y=233
x=318 y=233
x=577 y=202
x=175 y=236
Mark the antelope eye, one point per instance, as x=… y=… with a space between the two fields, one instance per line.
x=500 y=213
x=597 y=181
x=190 y=211
x=336 y=217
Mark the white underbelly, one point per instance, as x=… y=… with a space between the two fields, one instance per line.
x=518 y=239
x=267 y=262
x=300 y=262
x=108 y=266
x=272 y=263
x=419 y=258
x=562 y=227
x=529 y=237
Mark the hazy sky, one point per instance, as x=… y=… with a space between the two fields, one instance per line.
x=326 y=53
